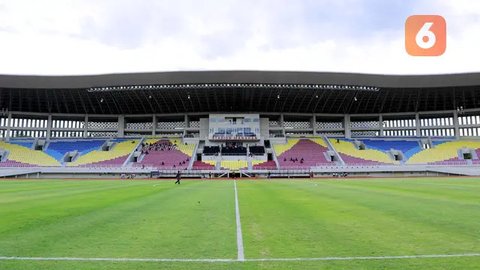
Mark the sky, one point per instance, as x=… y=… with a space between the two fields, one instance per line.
x=75 y=37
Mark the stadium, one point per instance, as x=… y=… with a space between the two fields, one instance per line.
x=239 y=123
x=282 y=170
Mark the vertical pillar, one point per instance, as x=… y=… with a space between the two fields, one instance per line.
x=380 y=123
x=346 y=126
x=9 y=127
x=456 y=125
x=314 y=124
x=49 y=126
x=417 y=124
x=281 y=124
x=154 y=128
x=121 y=126
x=187 y=124
x=85 y=127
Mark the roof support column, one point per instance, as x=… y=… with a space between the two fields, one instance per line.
x=154 y=128
x=85 y=127
x=346 y=126
x=282 y=124
x=9 y=125
x=456 y=125
x=417 y=124
x=314 y=124
x=187 y=124
x=49 y=127
x=380 y=124
x=121 y=126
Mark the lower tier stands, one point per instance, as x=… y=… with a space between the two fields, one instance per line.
x=234 y=165
x=264 y=165
x=204 y=165
x=352 y=155
x=477 y=161
x=303 y=153
x=166 y=154
x=443 y=152
x=296 y=153
x=26 y=156
x=116 y=156
x=58 y=149
x=14 y=164
x=408 y=147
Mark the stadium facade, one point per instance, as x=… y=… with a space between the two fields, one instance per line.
x=241 y=122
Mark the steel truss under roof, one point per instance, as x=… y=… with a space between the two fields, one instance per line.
x=238 y=91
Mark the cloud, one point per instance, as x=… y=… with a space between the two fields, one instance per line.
x=89 y=37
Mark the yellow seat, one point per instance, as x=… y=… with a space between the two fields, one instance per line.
x=211 y=162
x=187 y=149
x=234 y=165
x=119 y=149
x=26 y=155
x=441 y=152
x=256 y=162
x=282 y=148
x=348 y=148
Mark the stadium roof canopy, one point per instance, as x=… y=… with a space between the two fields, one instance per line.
x=238 y=91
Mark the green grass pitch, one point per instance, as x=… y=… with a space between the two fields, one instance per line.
x=279 y=219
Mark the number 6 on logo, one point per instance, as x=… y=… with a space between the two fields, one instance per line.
x=425 y=35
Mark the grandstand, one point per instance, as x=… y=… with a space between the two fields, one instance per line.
x=249 y=123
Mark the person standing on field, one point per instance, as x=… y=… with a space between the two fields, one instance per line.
x=179 y=177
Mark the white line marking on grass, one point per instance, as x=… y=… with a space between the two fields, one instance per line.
x=359 y=258
x=240 y=253
x=114 y=259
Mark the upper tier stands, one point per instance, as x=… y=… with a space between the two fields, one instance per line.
x=301 y=153
x=352 y=155
x=257 y=150
x=166 y=154
x=211 y=150
x=234 y=150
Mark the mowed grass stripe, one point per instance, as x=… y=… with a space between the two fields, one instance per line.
x=13 y=187
x=306 y=225
x=438 y=210
x=458 y=190
x=59 y=190
x=427 y=225
x=38 y=209
x=149 y=218
x=322 y=219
